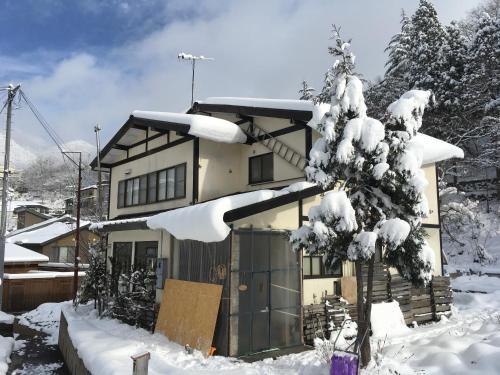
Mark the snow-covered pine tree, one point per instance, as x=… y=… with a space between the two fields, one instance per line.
x=379 y=199
x=398 y=49
x=452 y=62
x=426 y=37
x=306 y=92
x=95 y=285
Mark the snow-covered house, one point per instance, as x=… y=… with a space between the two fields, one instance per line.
x=210 y=195
x=55 y=238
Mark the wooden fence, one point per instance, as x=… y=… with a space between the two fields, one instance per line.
x=23 y=294
x=419 y=305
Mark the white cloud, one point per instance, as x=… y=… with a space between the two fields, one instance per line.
x=262 y=48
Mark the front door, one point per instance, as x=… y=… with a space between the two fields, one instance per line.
x=269 y=292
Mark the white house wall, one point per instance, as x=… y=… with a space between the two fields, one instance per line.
x=182 y=153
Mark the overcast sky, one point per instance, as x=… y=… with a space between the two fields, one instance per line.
x=84 y=62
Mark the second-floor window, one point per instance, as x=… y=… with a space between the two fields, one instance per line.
x=261 y=168
x=313 y=267
x=153 y=187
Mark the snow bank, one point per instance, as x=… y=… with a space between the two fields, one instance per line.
x=387 y=320
x=205 y=221
x=207 y=127
x=6 y=318
x=19 y=254
x=105 y=346
x=46 y=318
x=6 y=347
x=476 y=283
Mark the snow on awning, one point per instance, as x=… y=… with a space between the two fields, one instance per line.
x=122 y=224
x=207 y=127
x=205 y=221
x=19 y=254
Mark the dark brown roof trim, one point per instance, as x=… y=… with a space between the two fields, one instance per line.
x=252 y=111
x=269 y=204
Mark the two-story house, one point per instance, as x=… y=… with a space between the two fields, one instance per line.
x=184 y=174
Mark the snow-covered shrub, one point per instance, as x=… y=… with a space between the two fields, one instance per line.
x=134 y=298
x=95 y=284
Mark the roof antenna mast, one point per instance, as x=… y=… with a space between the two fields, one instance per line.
x=188 y=56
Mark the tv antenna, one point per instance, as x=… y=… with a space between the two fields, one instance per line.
x=193 y=59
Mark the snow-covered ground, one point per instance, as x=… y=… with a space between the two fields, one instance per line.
x=466 y=343
x=6 y=347
x=45 y=318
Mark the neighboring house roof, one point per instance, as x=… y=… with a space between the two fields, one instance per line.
x=31 y=211
x=19 y=254
x=42 y=224
x=42 y=235
x=15 y=204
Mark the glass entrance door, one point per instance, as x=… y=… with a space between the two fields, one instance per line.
x=269 y=292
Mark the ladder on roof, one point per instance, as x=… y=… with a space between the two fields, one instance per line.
x=287 y=153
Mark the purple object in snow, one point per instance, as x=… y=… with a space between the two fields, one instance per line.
x=344 y=363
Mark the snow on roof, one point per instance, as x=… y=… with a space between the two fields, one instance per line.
x=19 y=254
x=207 y=127
x=41 y=275
x=289 y=104
x=12 y=205
x=101 y=224
x=45 y=234
x=205 y=221
x=434 y=150
x=40 y=225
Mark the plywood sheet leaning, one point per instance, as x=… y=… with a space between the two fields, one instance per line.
x=188 y=313
x=349 y=288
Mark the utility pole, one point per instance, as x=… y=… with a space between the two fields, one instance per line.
x=11 y=93
x=97 y=129
x=78 y=205
x=192 y=58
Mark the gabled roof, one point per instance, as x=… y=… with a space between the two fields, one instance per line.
x=31 y=211
x=18 y=254
x=46 y=232
x=135 y=131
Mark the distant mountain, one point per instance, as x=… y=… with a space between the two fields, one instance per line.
x=20 y=156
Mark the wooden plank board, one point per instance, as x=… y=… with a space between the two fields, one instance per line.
x=188 y=313
x=348 y=285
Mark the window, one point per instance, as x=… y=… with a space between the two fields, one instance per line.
x=313 y=267
x=143 y=189
x=261 y=168
x=170 y=183
x=121 y=194
x=62 y=254
x=162 y=185
x=122 y=256
x=153 y=187
x=146 y=254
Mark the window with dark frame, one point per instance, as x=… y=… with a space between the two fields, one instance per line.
x=146 y=255
x=314 y=268
x=261 y=168
x=153 y=187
